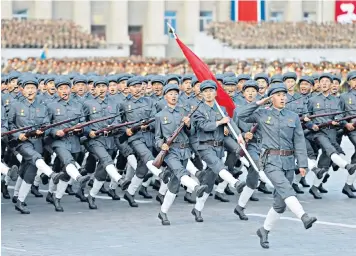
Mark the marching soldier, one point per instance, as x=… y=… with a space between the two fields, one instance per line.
x=166 y=122
x=26 y=113
x=263 y=83
x=282 y=143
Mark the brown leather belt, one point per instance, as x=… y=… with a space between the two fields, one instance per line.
x=281 y=152
x=213 y=143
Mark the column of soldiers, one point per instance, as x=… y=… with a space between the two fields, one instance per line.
x=77 y=131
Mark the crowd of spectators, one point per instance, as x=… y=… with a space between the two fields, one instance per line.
x=46 y=33
x=144 y=66
x=277 y=35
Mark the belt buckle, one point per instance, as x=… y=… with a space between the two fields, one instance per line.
x=182 y=145
x=216 y=143
x=144 y=129
x=70 y=133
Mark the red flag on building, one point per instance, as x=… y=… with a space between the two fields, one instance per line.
x=202 y=71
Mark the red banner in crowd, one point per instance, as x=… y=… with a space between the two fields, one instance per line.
x=345 y=11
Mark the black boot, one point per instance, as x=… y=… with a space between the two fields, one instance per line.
x=143 y=192
x=4 y=191
x=200 y=189
x=35 y=192
x=304 y=183
x=221 y=197
x=69 y=190
x=80 y=194
x=315 y=192
x=263 y=188
x=263 y=235
x=160 y=198
x=322 y=189
x=164 y=176
x=254 y=198
x=19 y=206
x=13 y=173
x=103 y=189
x=347 y=191
x=113 y=195
x=91 y=203
x=308 y=221
x=228 y=191
x=197 y=215
x=156 y=185
x=56 y=176
x=130 y=199
x=147 y=176
x=124 y=184
x=200 y=175
x=82 y=181
x=326 y=177
x=188 y=197
x=90 y=183
x=14 y=200
x=239 y=211
x=57 y=204
x=44 y=179
x=239 y=185
x=353 y=189
x=49 y=198
x=297 y=189
x=163 y=217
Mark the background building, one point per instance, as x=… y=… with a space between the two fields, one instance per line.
x=139 y=26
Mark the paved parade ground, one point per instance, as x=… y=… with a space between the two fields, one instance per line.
x=117 y=229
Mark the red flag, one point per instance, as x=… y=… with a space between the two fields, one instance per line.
x=202 y=71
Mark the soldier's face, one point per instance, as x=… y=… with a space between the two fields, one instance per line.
x=240 y=84
x=230 y=89
x=13 y=87
x=135 y=90
x=334 y=88
x=325 y=84
x=171 y=97
x=64 y=92
x=290 y=84
x=51 y=89
x=262 y=86
x=3 y=87
x=91 y=88
x=80 y=88
x=30 y=91
x=187 y=86
x=316 y=86
x=101 y=90
x=157 y=88
x=196 y=88
x=209 y=95
x=279 y=100
x=148 y=90
x=352 y=83
x=113 y=88
x=250 y=94
x=304 y=87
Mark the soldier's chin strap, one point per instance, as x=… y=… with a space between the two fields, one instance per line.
x=262 y=175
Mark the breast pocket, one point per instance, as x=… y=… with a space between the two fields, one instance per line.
x=289 y=130
x=146 y=113
x=166 y=126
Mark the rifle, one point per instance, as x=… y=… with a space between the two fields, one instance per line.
x=252 y=130
x=160 y=157
x=135 y=129
x=322 y=115
x=338 y=120
x=17 y=130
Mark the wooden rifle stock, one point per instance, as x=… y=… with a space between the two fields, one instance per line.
x=252 y=130
x=81 y=126
x=322 y=115
x=338 y=120
x=17 y=130
x=111 y=128
x=135 y=129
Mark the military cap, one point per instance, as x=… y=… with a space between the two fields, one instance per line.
x=112 y=78
x=72 y=75
x=62 y=80
x=230 y=80
x=21 y=79
x=143 y=79
x=315 y=76
x=134 y=81
x=275 y=88
x=208 y=84
x=276 y=79
x=173 y=77
x=229 y=74
x=351 y=75
x=326 y=75
x=250 y=83
x=195 y=81
x=29 y=79
x=170 y=87
x=41 y=78
x=263 y=76
x=91 y=78
x=187 y=77
x=149 y=77
x=123 y=77
x=219 y=77
x=158 y=79
x=337 y=78
x=307 y=79
x=91 y=74
x=243 y=77
x=13 y=75
x=49 y=78
x=100 y=80
x=289 y=75
x=80 y=79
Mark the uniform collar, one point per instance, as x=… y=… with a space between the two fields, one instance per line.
x=29 y=104
x=136 y=100
x=328 y=97
x=175 y=109
x=277 y=112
